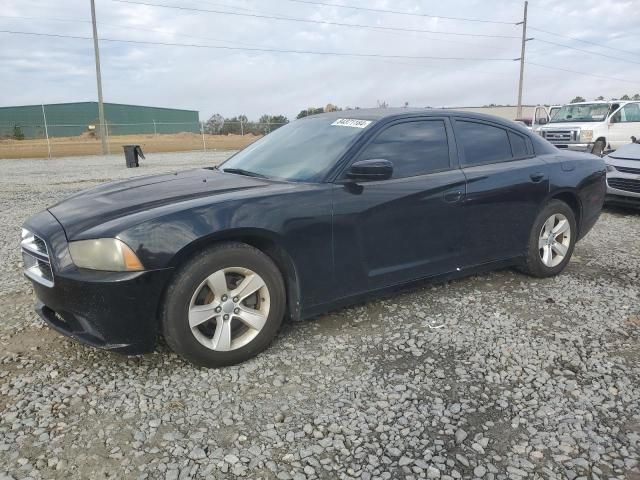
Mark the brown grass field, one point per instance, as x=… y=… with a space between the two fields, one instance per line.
x=85 y=145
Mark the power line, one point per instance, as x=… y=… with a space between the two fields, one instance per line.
x=128 y=27
x=582 y=73
x=262 y=12
x=142 y=29
x=583 y=41
x=586 y=51
x=264 y=50
x=379 y=10
x=320 y=22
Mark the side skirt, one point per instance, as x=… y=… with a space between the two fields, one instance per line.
x=386 y=292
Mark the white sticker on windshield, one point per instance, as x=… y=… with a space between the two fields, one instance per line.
x=351 y=122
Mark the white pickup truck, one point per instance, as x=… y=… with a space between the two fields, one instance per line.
x=593 y=126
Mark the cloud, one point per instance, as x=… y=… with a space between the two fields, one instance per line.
x=39 y=69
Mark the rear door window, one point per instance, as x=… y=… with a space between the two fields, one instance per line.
x=518 y=145
x=482 y=143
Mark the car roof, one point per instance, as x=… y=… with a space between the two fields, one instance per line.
x=375 y=114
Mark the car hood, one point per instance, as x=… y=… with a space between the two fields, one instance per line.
x=100 y=204
x=628 y=153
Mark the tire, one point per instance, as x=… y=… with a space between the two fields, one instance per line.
x=598 y=148
x=209 y=326
x=543 y=258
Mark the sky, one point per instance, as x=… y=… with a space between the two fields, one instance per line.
x=37 y=69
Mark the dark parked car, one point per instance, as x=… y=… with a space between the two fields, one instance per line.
x=323 y=212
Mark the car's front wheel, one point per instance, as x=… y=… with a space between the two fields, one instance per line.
x=224 y=305
x=551 y=241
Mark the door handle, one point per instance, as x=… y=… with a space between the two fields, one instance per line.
x=453 y=196
x=536 y=177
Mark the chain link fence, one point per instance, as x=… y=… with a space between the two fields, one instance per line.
x=42 y=140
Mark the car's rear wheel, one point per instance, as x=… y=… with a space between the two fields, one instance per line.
x=224 y=306
x=551 y=241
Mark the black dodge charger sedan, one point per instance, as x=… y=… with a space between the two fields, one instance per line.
x=323 y=212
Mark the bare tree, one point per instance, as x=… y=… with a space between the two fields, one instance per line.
x=215 y=124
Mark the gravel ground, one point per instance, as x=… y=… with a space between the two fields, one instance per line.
x=494 y=376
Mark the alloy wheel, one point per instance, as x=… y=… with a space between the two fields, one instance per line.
x=554 y=240
x=229 y=309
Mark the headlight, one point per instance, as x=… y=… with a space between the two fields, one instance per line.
x=109 y=254
x=586 y=135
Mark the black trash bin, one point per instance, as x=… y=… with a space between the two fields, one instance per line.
x=132 y=154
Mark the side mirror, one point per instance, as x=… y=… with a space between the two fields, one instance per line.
x=542 y=121
x=368 y=170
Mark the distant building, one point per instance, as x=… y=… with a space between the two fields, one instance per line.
x=72 y=119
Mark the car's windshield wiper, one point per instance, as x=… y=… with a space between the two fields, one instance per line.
x=241 y=171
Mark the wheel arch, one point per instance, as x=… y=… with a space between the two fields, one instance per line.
x=267 y=242
x=573 y=200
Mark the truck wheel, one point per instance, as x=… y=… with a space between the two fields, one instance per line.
x=224 y=306
x=598 y=148
x=551 y=241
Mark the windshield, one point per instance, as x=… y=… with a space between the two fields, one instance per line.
x=303 y=150
x=585 y=112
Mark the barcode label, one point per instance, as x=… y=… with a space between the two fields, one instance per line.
x=351 y=122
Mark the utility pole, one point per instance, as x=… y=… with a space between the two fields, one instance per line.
x=524 y=42
x=46 y=131
x=103 y=126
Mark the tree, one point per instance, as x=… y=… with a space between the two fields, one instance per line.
x=278 y=121
x=269 y=123
x=625 y=97
x=310 y=111
x=214 y=125
x=231 y=126
x=636 y=96
x=578 y=99
x=600 y=98
x=382 y=104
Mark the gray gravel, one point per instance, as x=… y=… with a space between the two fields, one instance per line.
x=495 y=376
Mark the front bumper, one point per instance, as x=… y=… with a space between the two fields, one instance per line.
x=623 y=186
x=623 y=189
x=105 y=310
x=110 y=310
x=622 y=201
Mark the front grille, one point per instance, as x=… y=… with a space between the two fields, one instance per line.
x=628 y=170
x=35 y=257
x=626 y=184
x=560 y=136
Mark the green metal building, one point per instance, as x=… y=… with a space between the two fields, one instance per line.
x=72 y=119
